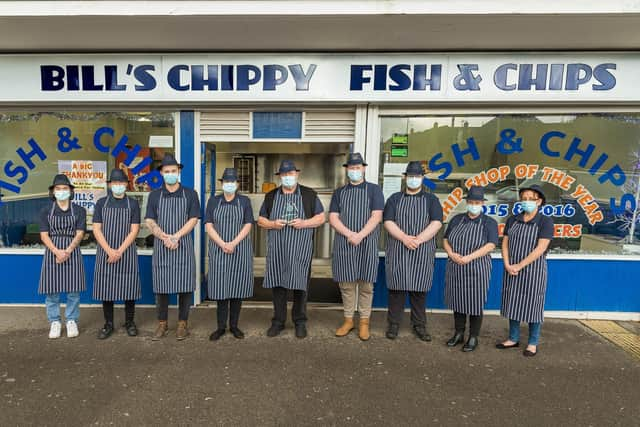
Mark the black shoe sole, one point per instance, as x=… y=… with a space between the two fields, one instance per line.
x=501 y=346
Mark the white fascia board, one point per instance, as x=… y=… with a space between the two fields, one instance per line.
x=315 y=7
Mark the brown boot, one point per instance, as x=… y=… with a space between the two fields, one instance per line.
x=346 y=327
x=363 y=330
x=182 y=332
x=161 y=330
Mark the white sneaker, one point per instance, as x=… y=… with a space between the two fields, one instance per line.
x=54 y=332
x=72 y=329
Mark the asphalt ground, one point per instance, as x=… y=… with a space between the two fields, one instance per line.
x=577 y=379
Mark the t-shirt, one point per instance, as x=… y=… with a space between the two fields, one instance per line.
x=78 y=211
x=193 y=201
x=114 y=203
x=545 y=225
x=245 y=205
x=435 y=210
x=374 y=194
x=489 y=226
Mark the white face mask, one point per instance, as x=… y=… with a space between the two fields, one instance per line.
x=474 y=209
x=170 y=178
x=354 y=175
x=62 y=195
x=288 y=181
x=118 y=189
x=414 y=182
x=229 y=187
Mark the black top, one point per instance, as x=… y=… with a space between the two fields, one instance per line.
x=245 y=205
x=78 y=211
x=193 y=202
x=545 y=224
x=114 y=203
x=267 y=204
x=435 y=209
x=489 y=226
x=374 y=193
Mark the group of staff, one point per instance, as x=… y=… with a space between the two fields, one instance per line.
x=290 y=213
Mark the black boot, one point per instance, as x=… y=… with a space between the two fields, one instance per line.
x=237 y=333
x=301 y=330
x=215 y=336
x=471 y=344
x=392 y=331
x=456 y=339
x=274 y=330
x=131 y=328
x=421 y=332
x=106 y=331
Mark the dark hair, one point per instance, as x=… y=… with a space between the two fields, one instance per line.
x=53 y=197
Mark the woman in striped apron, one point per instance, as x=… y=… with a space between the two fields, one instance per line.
x=355 y=214
x=412 y=218
x=116 y=223
x=524 y=284
x=172 y=213
x=229 y=219
x=289 y=213
x=469 y=240
x=62 y=226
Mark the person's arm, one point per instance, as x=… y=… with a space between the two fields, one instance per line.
x=74 y=243
x=374 y=221
x=130 y=239
x=244 y=232
x=478 y=253
x=540 y=249
x=60 y=254
x=268 y=224
x=338 y=226
x=213 y=234
x=395 y=231
x=315 y=221
x=102 y=241
x=454 y=256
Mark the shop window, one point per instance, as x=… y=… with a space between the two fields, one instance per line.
x=587 y=164
x=85 y=145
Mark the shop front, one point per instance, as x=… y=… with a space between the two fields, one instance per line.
x=569 y=122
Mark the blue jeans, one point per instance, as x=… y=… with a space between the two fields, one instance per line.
x=534 y=331
x=72 y=311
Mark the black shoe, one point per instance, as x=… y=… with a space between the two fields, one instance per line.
x=131 y=328
x=456 y=339
x=215 y=336
x=106 y=331
x=274 y=330
x=471 y=344
x=237 y=333
x=528 y=353
x=301 y=330
x=421 y=333
x=501 y=346
x=392 y=331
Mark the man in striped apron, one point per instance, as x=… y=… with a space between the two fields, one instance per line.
x=355 y=214
x=116 y=223
x=289 y=213
x=172 y=213
x=62 y=227
x=412 y=218
x=469 y=240
x=229 y=218
x=524 y=283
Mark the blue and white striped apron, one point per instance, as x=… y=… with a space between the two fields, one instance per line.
x=119 y=281
x=466 y=286
x=68 y=276
x=289 y=251
x=523 y=295
x=230 y=275
x=354 y=263
x=408 y=270
x=174 y=271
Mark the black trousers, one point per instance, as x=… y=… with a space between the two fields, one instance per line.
x=417 y=301
x=298 y=312
x=129 y=310
x=460 y=320
x=184 y=303
x=228 y=308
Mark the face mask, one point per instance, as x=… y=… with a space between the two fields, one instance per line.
x=62 y=195
x=414 y=182
x=529 y=206
x=289 y=181
x=354 y=175
x=170 y=178
x=474 y=209
x=229 y=187
x=118 y=189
